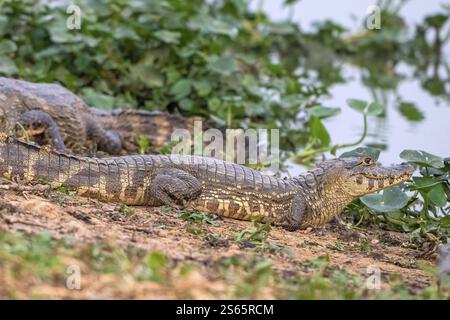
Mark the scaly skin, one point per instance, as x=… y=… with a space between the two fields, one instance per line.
x=53 y=115
x=205 y=184
x=157 y=126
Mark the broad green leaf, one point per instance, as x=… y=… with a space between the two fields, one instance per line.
x=7 y=66
x=223 y=65
x=411 y=112
x=181 y=89
x=319 y=131
x=375 y=109
x=168 y=36
x=7 y=46
x=445 y=222
x=434 y=85
x=367 y=151
x=280 y=28
x=186 y=104
x=203 y=88
x=422 y=158
x=391 y=199
x=438 y=196
x=358 y=105
x=97 y=99
x=207 y=24
x=59 y=33
x=323 y=112
x=3 y=24
x=436 y=21
x=425 y=182
x=124 y=32
x=147 y=75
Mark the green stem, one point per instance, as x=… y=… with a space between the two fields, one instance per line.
x=305 y=154
x=361 y=139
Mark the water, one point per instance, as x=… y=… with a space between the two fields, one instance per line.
x=396 y=132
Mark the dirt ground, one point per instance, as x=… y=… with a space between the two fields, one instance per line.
x=90 y=221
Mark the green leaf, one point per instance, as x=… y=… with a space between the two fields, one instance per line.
x=319 y=131
x=425 y=182
x=7 y=46
x=168 y=36
x=224 y=66
x=375 y=109
x=422 y=158
x=445 y=222
x=186 y=104
x=207 y=24
x=390 y=200
x=367 y=151
x=7 y=66
x=436 y=21
x=323 y=112
x=147 y=75
x=124 y=32
x=97 y=99
x=411 y=112
x=438 y=196
x=3 y=24
x=59 y=33
x=181 y=89
x=203 y=88
x=358 y=105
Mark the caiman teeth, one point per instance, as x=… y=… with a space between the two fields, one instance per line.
x=390 y=178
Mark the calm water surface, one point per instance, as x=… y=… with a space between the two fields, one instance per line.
x=432 y=134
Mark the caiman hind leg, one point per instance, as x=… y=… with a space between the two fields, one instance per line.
x=293 y=220
x=37 y=122
x=174 y=187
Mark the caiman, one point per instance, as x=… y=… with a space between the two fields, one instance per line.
x=51 y=114
x=205 y=184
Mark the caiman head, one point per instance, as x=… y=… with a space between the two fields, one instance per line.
x=358 y=176
x=339 y=181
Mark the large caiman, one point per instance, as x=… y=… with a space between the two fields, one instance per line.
x=205 y=184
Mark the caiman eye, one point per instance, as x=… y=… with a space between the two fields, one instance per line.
x=367 y=161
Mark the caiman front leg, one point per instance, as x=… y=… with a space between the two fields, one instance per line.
x=37 y=122
x=294 y=218
x=174 y=187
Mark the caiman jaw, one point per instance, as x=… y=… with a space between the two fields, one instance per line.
x=376 y=178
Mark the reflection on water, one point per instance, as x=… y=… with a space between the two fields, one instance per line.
x=394 y=130
x=415 y=118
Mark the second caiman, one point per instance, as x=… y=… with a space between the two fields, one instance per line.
x=51 y=114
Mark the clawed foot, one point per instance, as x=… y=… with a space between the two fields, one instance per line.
x=175 y=187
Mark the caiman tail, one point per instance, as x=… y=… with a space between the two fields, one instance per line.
x=105 y=179
x=156 y=126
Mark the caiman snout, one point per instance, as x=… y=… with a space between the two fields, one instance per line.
x=407 y=167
